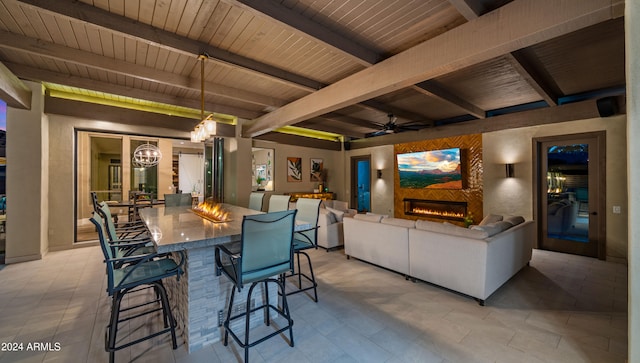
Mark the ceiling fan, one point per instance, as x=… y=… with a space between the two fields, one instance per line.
x=391 y=127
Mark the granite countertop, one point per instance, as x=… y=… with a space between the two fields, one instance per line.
x=178 y=228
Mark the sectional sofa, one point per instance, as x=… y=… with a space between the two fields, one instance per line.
x=473 y=261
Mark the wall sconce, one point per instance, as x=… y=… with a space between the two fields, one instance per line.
x=379 y=173
x=509 y=170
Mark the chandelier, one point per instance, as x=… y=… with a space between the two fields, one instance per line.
x=146 y=156
x=207 y=126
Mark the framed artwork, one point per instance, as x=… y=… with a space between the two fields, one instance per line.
x=294 y=169
x=316 y=170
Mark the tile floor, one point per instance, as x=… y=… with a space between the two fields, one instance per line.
x=562 y=308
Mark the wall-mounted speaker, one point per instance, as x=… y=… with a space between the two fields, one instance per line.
x=607 y=106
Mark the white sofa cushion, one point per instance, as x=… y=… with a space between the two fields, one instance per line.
x=337 y=214
x=491 y=218
x=452 y=229
x=369 y=217
x=400 y=222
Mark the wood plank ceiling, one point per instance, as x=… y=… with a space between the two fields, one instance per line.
x=267 y=56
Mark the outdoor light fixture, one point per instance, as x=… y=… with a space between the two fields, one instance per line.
x=379 y=173
x=509 y=170
x=207 y=126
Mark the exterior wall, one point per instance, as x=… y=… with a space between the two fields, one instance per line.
x=515 y=195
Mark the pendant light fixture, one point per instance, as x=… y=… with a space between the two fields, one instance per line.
x=207 y=126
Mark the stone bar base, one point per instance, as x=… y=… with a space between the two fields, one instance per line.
x=200 y=295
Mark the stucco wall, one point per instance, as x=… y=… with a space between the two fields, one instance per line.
x=332 y=160
x=27 y=185
x=515 y=195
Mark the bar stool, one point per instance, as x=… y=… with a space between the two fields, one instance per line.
x=265 y=252
x=129 y=273
x=308 y=212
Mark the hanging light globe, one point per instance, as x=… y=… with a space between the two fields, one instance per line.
x=146 y=155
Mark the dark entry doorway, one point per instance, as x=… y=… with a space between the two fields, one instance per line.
x=571 y=194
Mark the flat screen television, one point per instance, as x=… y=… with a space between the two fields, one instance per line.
x=435 y=169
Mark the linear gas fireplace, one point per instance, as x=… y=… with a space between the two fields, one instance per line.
x=441 y=209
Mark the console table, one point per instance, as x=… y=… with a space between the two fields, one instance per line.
x=323 y=196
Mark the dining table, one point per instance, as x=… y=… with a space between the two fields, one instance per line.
x=133 y=207
x=200 y=296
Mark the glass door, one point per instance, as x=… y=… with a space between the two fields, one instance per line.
x=570 y=192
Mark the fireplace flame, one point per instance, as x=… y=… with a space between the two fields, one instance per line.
x=438 y=213
x=212 y=212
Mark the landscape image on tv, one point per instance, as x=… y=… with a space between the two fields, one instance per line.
x=437 y=169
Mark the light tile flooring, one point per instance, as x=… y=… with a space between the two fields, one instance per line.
x=562 y=308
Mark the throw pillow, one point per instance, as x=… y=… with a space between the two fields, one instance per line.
x=491 y=218
x=494 y=228
x=338 y=214
x=515 y=220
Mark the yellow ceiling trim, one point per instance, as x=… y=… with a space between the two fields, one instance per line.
x=83 y=95
x=300 y=131
x=107 y=99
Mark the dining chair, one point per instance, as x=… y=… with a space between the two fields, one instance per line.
x=129 y=273
x=308 y=212
x=265 y=253
x=255 y=201
x=178 y=200
x=278 y=203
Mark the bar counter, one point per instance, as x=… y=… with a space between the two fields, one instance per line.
x=199 y=299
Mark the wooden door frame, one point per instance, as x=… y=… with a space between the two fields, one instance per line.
x=354 y=176
x=600 y=185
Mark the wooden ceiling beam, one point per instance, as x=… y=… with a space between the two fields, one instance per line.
x=92 y=111
x=305 y=26
x=37 y=47
x=329 y=125
x=432 y=88
x=568 y=112
x=516 y=25
x=526 y=64
x=15 y=93
x=41 y=75
x=350 y=120
x=87 y=14
x=288 y=139
x=469 y=9
x=402 y=115
x=532 y=73
x=340 y=43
